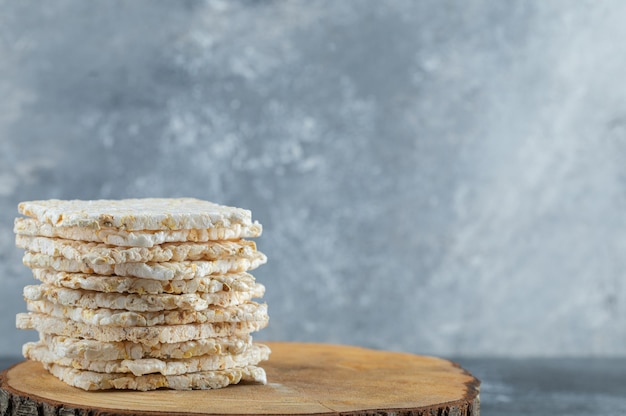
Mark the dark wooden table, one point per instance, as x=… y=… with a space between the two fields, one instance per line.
x=561 y=386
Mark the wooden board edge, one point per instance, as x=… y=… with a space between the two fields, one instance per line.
x=16 y=403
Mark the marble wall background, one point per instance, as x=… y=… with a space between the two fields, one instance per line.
x=438 y=177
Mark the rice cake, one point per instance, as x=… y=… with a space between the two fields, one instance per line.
x=147 y=335
x=238 y=282
x=138 y=303
x=99 y=253
x=245 y=312
x=39 y=351
x=204 y=380
x=93 y=350
x=182 y=270
x=142 y=238
x=136 y=214
x=142 y=293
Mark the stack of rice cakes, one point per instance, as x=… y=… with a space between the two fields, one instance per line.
x=143 y=294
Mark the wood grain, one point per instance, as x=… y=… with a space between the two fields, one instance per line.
x=302 y=379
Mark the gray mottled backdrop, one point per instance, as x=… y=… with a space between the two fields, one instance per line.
x=432 y=176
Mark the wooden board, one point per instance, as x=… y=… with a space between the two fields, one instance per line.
x=302 y=379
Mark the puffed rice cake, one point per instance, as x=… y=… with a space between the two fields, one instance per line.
x=143 y=294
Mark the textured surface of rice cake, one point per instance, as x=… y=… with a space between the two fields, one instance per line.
x=139 y=303
x=39 y=351
x=99 y=253
x=204 y=380
x=94 y=350
x=143 y=238
x=245 y=312
x=239 y=282
x=148 y=335
x=183 y=270
x=136 y=214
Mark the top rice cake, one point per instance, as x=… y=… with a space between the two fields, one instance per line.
x=136 y=214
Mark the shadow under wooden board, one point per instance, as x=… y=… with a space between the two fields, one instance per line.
x=302 y=378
